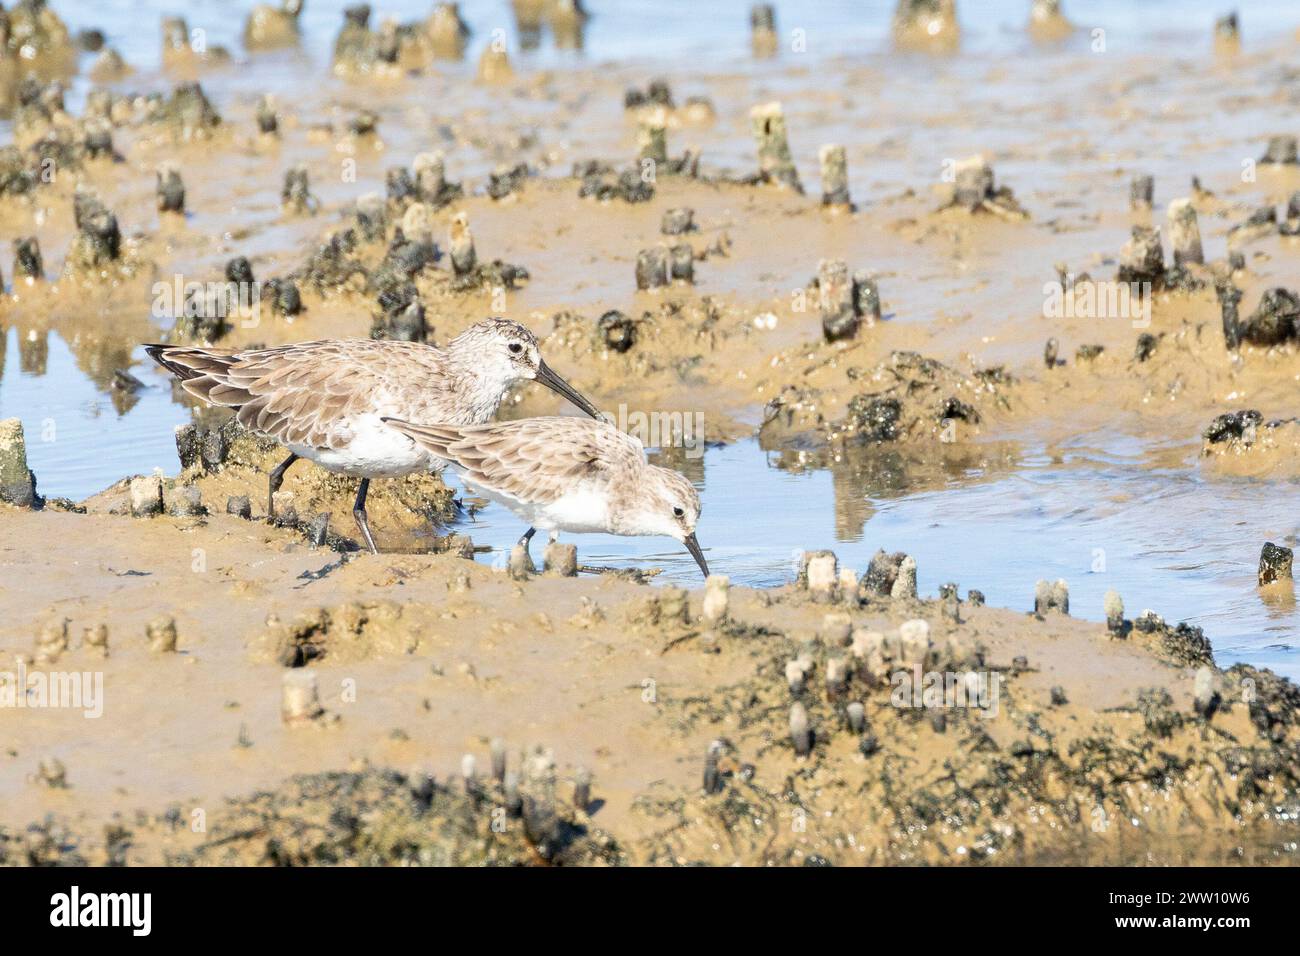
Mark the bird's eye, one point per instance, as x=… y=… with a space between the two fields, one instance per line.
x=678 y=513
x=516 y=348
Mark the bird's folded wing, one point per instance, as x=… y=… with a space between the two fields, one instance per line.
x=536 y=460
x=297 y=394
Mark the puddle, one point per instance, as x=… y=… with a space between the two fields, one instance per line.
x=83 y=435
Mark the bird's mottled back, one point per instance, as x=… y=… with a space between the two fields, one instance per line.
x=569 y=474
x=311 y=393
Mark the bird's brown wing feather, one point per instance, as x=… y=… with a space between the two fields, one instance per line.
x=297 y=394
x=533 y=459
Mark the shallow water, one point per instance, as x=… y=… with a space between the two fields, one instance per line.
x=674 y=29
x=77 y=438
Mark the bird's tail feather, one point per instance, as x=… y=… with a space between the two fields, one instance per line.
x=203 y=373
x=187 y=363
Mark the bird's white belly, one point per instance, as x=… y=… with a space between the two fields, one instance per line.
x=375 y=451
x=580 y=511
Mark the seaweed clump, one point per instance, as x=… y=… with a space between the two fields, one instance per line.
x=386 y=818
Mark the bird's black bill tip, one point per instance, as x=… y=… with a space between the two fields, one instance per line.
x=693 y=547
x=561 y=387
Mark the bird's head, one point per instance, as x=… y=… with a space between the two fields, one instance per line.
x=667 y=504
x=502 y=353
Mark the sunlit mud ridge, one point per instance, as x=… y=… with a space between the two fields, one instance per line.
x=1244 y=443
x=909 y=397
x=1180 y=367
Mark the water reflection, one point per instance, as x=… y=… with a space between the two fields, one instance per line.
x=566 y=19
x=91 y=412
x=33 y=350
x=861 y=472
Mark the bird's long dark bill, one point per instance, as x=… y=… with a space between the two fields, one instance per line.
x=561 y=387
x=693 y=547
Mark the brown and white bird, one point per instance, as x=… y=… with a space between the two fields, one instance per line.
x=325 y=401
x=568 y=474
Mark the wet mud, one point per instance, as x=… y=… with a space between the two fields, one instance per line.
x=913 y=297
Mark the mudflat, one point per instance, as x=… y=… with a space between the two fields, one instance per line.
x=976 y=290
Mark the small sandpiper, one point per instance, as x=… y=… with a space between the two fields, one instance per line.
x=568 y=474
x=325 y=401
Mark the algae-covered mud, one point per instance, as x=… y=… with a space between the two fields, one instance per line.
x=976 y=328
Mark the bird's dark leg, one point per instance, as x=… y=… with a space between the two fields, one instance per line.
x=359 y=512
x=277 y=478
x=528 y=536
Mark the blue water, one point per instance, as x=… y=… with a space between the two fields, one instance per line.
x=78 y=442
x=701 y=35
